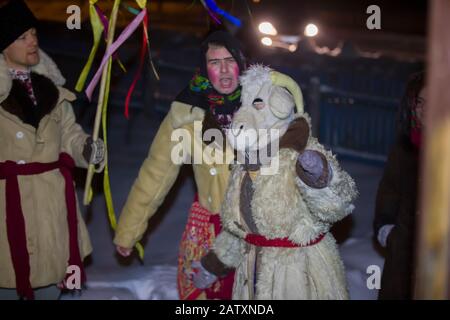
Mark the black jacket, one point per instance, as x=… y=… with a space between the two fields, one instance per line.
x=396 y=204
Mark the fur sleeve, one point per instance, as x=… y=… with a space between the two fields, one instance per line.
x=229 y=249
x=334 y=202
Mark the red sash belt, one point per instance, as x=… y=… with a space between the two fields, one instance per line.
x=15 y=222
x=261 y=241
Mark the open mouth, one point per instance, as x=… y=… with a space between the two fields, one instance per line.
x=226 y=82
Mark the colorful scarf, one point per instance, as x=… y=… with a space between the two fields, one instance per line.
x=201 y=93
x=25 y=78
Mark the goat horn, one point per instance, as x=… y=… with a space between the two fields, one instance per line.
x=282 y=80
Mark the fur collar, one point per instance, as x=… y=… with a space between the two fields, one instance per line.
x=19 y=103
x=46 y=67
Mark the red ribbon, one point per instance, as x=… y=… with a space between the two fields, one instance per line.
x=15 y=221
x=261 y=241
x=141 y=64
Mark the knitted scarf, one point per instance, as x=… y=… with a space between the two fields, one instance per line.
x=221 y=106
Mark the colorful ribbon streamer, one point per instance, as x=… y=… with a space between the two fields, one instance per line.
x=97 y=29
x=141 y=65
x=105 y=22
x=106 y=180
x=211 y=4
x=144 y=47
x=120 y=40
x=211 y=14
x=99 y=26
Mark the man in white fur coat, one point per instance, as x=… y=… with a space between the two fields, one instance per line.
x=276 y=219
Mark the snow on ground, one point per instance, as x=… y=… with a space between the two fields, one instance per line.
x=134 y=283
x=113 y=277
x=358 y=254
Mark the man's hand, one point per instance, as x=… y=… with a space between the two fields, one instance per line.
x=124 y=252
x=94 y=152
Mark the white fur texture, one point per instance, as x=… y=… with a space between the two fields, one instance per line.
x=281 y=209
x=250 y=129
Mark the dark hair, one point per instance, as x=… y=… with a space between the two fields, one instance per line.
x=408 y=102
x=224 y=39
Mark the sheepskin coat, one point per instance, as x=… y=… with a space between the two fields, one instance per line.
x=159 y=172
x=284 y=206
x=42 y=196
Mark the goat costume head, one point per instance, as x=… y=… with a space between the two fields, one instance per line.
x=269 y=100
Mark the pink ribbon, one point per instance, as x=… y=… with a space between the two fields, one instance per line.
x=126 y=33
x=105 y=23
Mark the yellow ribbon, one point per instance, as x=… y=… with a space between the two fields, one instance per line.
x=97 y=30
x=106 y=180
x=141 y=3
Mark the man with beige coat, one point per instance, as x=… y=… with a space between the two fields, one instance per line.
x=41 y=230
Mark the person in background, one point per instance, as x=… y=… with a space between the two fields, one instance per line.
x=396 y=202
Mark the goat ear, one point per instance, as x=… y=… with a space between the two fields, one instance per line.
x=282 y=80
x=281 y=102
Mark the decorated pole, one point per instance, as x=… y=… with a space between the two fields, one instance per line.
x=432 y=279
x=102 y=92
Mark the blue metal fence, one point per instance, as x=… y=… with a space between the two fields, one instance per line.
x=360 y=127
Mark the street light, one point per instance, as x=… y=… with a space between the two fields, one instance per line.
x=292 y=47
x=311 y=30
x=267 y=28
x=266 y=41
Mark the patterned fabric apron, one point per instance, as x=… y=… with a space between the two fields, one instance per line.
x=198 y=237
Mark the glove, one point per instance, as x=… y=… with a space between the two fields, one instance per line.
x=383 y=234
x=94 y=151
x=202 y=278
x=313 y=169
x=311 y=163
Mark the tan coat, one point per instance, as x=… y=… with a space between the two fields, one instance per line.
x=284 y=206
x=158 y=173
x=43 y=199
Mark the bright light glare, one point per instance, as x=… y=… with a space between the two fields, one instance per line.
x=292 y=47
x=266 y=41
x=311 y=30
x=267 y=28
